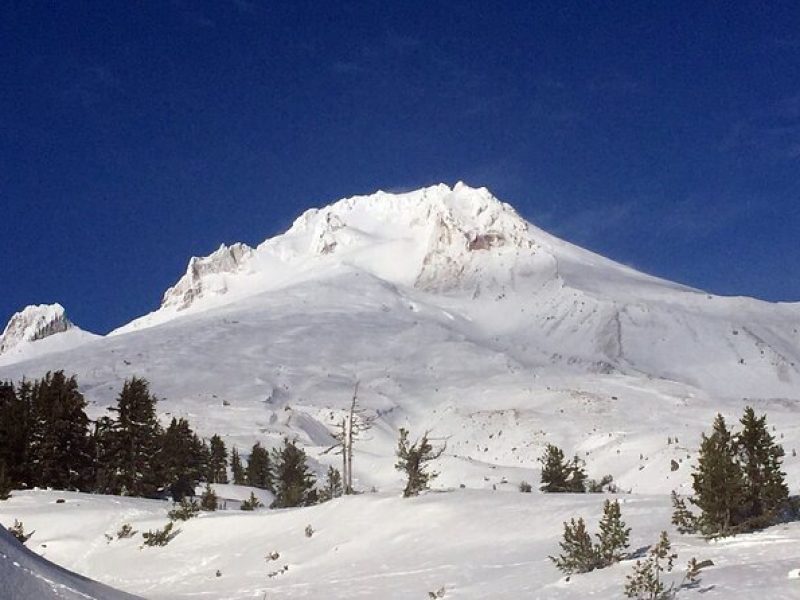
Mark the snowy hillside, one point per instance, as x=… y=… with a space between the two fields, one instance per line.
x=459 y=317
x=474 y=544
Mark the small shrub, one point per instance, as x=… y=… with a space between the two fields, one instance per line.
x=280 y=571
x=580 y=555
x=606 y=483
x=251 y=503
x=18 y=531
x=525 y=487
x=309 y=531
x=160 y=537
x=184 y=510
x=125 y=531
x=647 y=580
x=440 y=593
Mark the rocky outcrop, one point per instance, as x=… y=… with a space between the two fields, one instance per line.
x=33 y=323
x=207 y=275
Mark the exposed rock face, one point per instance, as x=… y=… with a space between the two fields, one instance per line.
x=34 y=323
x=463 y=225
x=207 y=275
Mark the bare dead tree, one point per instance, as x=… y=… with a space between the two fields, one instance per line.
x=355 y=422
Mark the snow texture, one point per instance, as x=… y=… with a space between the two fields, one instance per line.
x=26 y=575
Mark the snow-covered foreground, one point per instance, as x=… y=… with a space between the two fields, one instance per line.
x=24 y=574
x=474 y=544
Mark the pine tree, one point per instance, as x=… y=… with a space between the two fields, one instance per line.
x=182 y=459
x=765 y=490
x=104 y=456
x=578 y=554
x=237 y=471
x=259 y=468
x=61 y=452
x=412 y=460
x=294 y=482
x=717 y=481
x=136 y=440
x=5 y=482
x=218 y=461
x=577 y=476
x=333 y=485
x=682 y=517
x=251 y=503
x=15 y=430
x=613 y=537
x=208 y=500
x=558 y=475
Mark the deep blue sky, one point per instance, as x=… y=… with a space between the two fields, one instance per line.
x=136 y=134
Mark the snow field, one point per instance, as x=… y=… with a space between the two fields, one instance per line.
x=477 y=544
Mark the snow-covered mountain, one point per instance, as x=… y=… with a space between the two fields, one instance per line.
x=39 y=329
x=456 y=315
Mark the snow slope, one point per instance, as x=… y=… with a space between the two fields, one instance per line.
x=26 y=575
x=475 y=544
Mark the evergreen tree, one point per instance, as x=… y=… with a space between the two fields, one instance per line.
x=765 y=490
x=251 y=503
x=613 y=537
x=333 y=485
x=238 y=472
x=682 y=517
x=578 y=554
x=412 y=460
x=103 y=443
x=208 y=500
x=259 y=468
x=294 y=483
x=647 y=583
x=182 y=459
x=15 y=428
x=577 y=476
x=559 y=475
x=61 y=453
x=218 y=461
x=717 y=481
x=5 y=482
x=136 y=440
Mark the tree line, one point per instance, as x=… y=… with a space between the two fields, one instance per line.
x=47 y=440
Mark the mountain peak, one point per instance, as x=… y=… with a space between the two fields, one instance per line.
x=34 y=323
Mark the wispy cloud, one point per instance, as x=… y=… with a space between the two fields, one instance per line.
x=692 y=218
